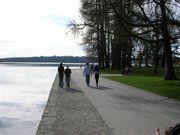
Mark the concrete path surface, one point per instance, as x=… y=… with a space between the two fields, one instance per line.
x=128 y=110
x=69 y=112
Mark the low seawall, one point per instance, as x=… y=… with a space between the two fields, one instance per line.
x=69 y=112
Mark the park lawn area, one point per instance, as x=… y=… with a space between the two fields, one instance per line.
x=145 y=79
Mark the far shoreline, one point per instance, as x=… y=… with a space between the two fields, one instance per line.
x=44 y=64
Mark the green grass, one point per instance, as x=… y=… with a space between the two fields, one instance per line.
x=145 y=79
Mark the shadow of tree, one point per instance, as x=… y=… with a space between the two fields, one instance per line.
x=72 y=90
x=100 y=87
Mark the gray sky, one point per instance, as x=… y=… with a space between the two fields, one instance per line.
x=38 y=28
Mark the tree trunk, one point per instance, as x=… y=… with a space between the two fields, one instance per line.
x=163 y=60
x=99 y=47
x=156 y=58
x=108 y=49
x=113 y=55
x=169 y=69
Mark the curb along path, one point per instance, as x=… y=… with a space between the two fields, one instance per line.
x=69 y=112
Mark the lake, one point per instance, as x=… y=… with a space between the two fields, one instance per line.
x=24 y=90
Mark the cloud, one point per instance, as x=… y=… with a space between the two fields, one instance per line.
x=37 y=27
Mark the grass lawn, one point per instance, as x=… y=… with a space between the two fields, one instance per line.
x=145 y=79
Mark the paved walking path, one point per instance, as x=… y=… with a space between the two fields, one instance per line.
x=69 y=112
x=128 y=110
x=110 y=109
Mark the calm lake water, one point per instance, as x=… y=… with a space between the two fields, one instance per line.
x=24 y=90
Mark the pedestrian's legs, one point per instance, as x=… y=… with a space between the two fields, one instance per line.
x=97 y=79
x=67 y=81
x=69 y=78
x=61 y=81
x=87 y=79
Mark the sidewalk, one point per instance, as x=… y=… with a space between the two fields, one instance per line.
x=128 y=110
x=111 y=108
x=69 y=112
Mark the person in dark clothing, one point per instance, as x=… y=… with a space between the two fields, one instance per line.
x=96 y=72
x=68 y=76
x=61 y=74
x=126 y=71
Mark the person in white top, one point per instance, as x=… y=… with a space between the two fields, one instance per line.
x=87 y=72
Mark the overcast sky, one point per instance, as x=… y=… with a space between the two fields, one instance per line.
x=38 y=28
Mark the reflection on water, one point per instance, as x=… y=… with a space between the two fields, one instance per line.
x=23 y=94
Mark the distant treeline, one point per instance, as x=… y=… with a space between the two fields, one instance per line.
x=64 y=59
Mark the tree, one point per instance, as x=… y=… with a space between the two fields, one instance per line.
x=145 y=24
x=117 y=23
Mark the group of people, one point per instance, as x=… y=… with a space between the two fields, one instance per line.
x=87 y=72
x=67 y=73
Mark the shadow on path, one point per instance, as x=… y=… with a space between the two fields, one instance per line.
x=72 y=90
x=101 y=88
x=135 y=99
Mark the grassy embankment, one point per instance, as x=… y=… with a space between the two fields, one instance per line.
x=145 y=79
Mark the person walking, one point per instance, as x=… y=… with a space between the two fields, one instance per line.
x=87 y=72
x=68 y=76
x=61 y=74
x=96 y=72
